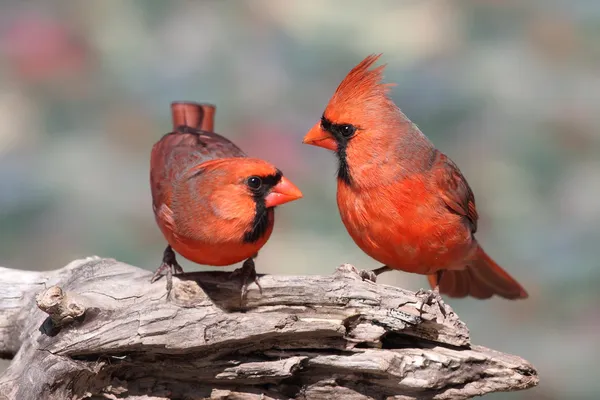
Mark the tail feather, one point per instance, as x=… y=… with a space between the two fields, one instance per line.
x=482 y=279
x=195 y=115
x=479 y=291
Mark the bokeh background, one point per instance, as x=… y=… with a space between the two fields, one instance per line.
x=509 y=89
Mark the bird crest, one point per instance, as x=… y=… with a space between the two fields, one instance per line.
x=362 y=84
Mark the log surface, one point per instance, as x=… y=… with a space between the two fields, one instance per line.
x=98 y=329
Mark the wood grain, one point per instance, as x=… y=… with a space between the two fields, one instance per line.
x=106 y=332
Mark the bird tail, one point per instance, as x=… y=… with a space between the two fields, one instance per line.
x=194 y=115
x=482 y=279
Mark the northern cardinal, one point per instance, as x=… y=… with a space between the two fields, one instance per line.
x=403 y=202
x=213 y=205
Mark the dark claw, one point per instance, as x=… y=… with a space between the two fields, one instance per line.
x=371 y=275
x=428 y=297
x=248 y=275
x=367 y=275
x=169 y=267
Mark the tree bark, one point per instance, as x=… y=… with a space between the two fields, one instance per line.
x=98 y=329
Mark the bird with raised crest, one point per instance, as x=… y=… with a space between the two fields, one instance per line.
x=403 y=202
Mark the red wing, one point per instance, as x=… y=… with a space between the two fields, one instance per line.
x=177 y=151
x=454 y=190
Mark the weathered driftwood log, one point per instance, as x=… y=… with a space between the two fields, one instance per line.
x=98 y=329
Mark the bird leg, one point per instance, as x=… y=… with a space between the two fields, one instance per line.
x=248 y=275
x=170 y=266
x=371 y=275
x=428 y=296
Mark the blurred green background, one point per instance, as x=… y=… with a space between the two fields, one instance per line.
x=509 y=89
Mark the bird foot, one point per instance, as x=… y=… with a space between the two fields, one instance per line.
x=169 y=267
x=367 y=275
x=429 y=297
x=248 y=275
x=371 y=275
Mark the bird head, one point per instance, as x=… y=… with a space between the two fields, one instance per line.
x=241 y=192
x=356 y=118
x=246 y=178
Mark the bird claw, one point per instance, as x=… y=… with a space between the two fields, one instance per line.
x=248 y=275
x=169 y=267
x=368 y=275
x=371 y=275
x=429 y=297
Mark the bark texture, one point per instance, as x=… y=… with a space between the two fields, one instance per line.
x=98 y=329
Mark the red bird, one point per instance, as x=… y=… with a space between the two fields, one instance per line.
x=403 y=202
x=213 y=205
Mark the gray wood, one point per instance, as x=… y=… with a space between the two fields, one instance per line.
x=98 y=329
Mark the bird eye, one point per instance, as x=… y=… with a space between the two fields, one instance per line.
x=254 y=182
x=347 y=130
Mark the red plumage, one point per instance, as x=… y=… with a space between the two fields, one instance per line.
x=214 y=205
x=403 y=202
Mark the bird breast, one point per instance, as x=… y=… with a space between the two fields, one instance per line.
x=404 y=225
x=209 y=240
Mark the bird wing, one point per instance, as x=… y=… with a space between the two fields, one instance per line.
x=190 y=146
x=177 y=151
x=454 y=189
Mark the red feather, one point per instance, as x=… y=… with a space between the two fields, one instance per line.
x=201 y=198
x=403 y=202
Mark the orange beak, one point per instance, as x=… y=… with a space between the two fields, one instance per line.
x=284 y=192
x=318 y=137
